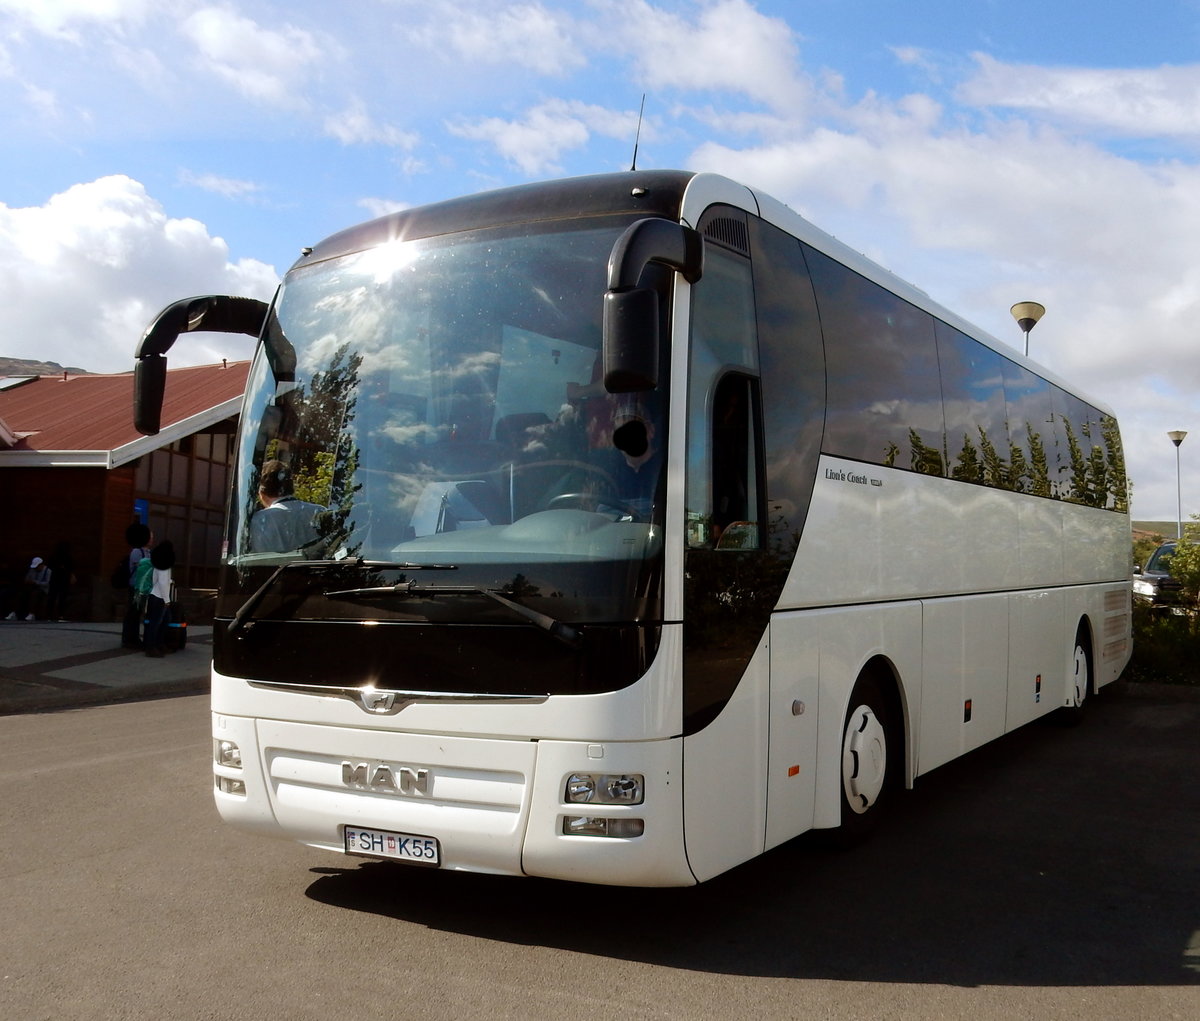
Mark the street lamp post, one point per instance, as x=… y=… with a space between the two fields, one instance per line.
x=1176 y=436
x=1027 y=314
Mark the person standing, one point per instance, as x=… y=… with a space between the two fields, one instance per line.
x=32 y=597
x=138 y=537
x=162 y=557
x=61 y=579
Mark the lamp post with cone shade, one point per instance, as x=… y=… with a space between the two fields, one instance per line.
x=1027 y=314
x=1176 y=436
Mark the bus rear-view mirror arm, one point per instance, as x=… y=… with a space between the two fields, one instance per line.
x=631 y=311
x=213 y=313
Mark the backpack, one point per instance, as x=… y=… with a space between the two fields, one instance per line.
x=143 y=576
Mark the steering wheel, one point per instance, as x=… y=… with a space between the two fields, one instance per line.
x=601 y=501
x=593 y=502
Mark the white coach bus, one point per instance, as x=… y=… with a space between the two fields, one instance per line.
x=619 y=529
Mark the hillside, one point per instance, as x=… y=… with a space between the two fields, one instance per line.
x=1164 y=528
x=30 y=367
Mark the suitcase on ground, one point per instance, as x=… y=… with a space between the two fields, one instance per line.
x=176 y=626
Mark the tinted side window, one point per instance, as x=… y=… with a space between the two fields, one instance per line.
x=1032 y=436
x=723 y=340
x=885 y=401
x=1084 y=478
x=793 y=378
x=1117 y=490
x=977 y=441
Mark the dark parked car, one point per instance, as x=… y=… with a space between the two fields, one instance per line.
x=1153 y=583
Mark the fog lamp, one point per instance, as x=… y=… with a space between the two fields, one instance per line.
x=596 y=826
x=227 y=785
x=605 y=788
x=228 y=754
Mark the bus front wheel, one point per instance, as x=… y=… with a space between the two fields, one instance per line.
x=868 y=757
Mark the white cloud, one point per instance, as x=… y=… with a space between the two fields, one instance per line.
x=381 y=207
x=60 y=18
x=229 y=187
x=266 y=64
x=354 y=126
x=82 y=276
x=1161 y=102
x=535 y=143
x=526 y=34
x=729 y=47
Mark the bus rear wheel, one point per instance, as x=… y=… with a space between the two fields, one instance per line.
x=868 y=757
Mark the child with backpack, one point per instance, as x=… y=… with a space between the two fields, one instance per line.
x=155 y=579
x=138 y=537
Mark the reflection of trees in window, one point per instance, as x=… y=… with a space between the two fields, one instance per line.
x=1039 y=467
x=1117 y=497
x=1077 y=484
x=1019 y=480
x=326 y=454
x=982 y=464
x=1098 y=484
x=967 y=467
x=995 y=470
x=923 y=458
x=315 y=439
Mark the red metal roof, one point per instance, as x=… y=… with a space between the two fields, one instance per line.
x=95 y=412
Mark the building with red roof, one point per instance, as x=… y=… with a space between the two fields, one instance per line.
x=74 y=470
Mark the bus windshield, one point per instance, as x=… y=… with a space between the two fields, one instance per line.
x=436 y=406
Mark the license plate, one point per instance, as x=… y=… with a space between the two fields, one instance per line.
x=386 y=844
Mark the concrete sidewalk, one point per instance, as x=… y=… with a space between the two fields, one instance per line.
x=46 y=665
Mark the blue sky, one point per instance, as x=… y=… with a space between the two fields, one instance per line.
x=989 y=152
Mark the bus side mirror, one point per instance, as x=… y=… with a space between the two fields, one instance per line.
x=631 y=340
x=631 y=311
x=215 y=313
x=149 y=385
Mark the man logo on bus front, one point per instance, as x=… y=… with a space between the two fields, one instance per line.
x=380 y=702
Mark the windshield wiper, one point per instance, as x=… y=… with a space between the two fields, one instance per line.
x=247 y=608
x=406 y=589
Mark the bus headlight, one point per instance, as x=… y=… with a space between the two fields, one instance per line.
x=227 y=754
x=605 y=789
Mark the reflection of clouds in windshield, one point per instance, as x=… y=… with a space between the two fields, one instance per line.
x=474 y=366
x=400 y=362
x=885 y=408
x=320 y=353
x=406 y=433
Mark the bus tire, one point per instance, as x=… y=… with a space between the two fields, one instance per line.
x=869 y=757
x=1079 y=683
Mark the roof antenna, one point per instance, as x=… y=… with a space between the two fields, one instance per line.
x=637 y=137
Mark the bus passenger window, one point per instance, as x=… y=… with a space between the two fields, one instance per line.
x=735 y=518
